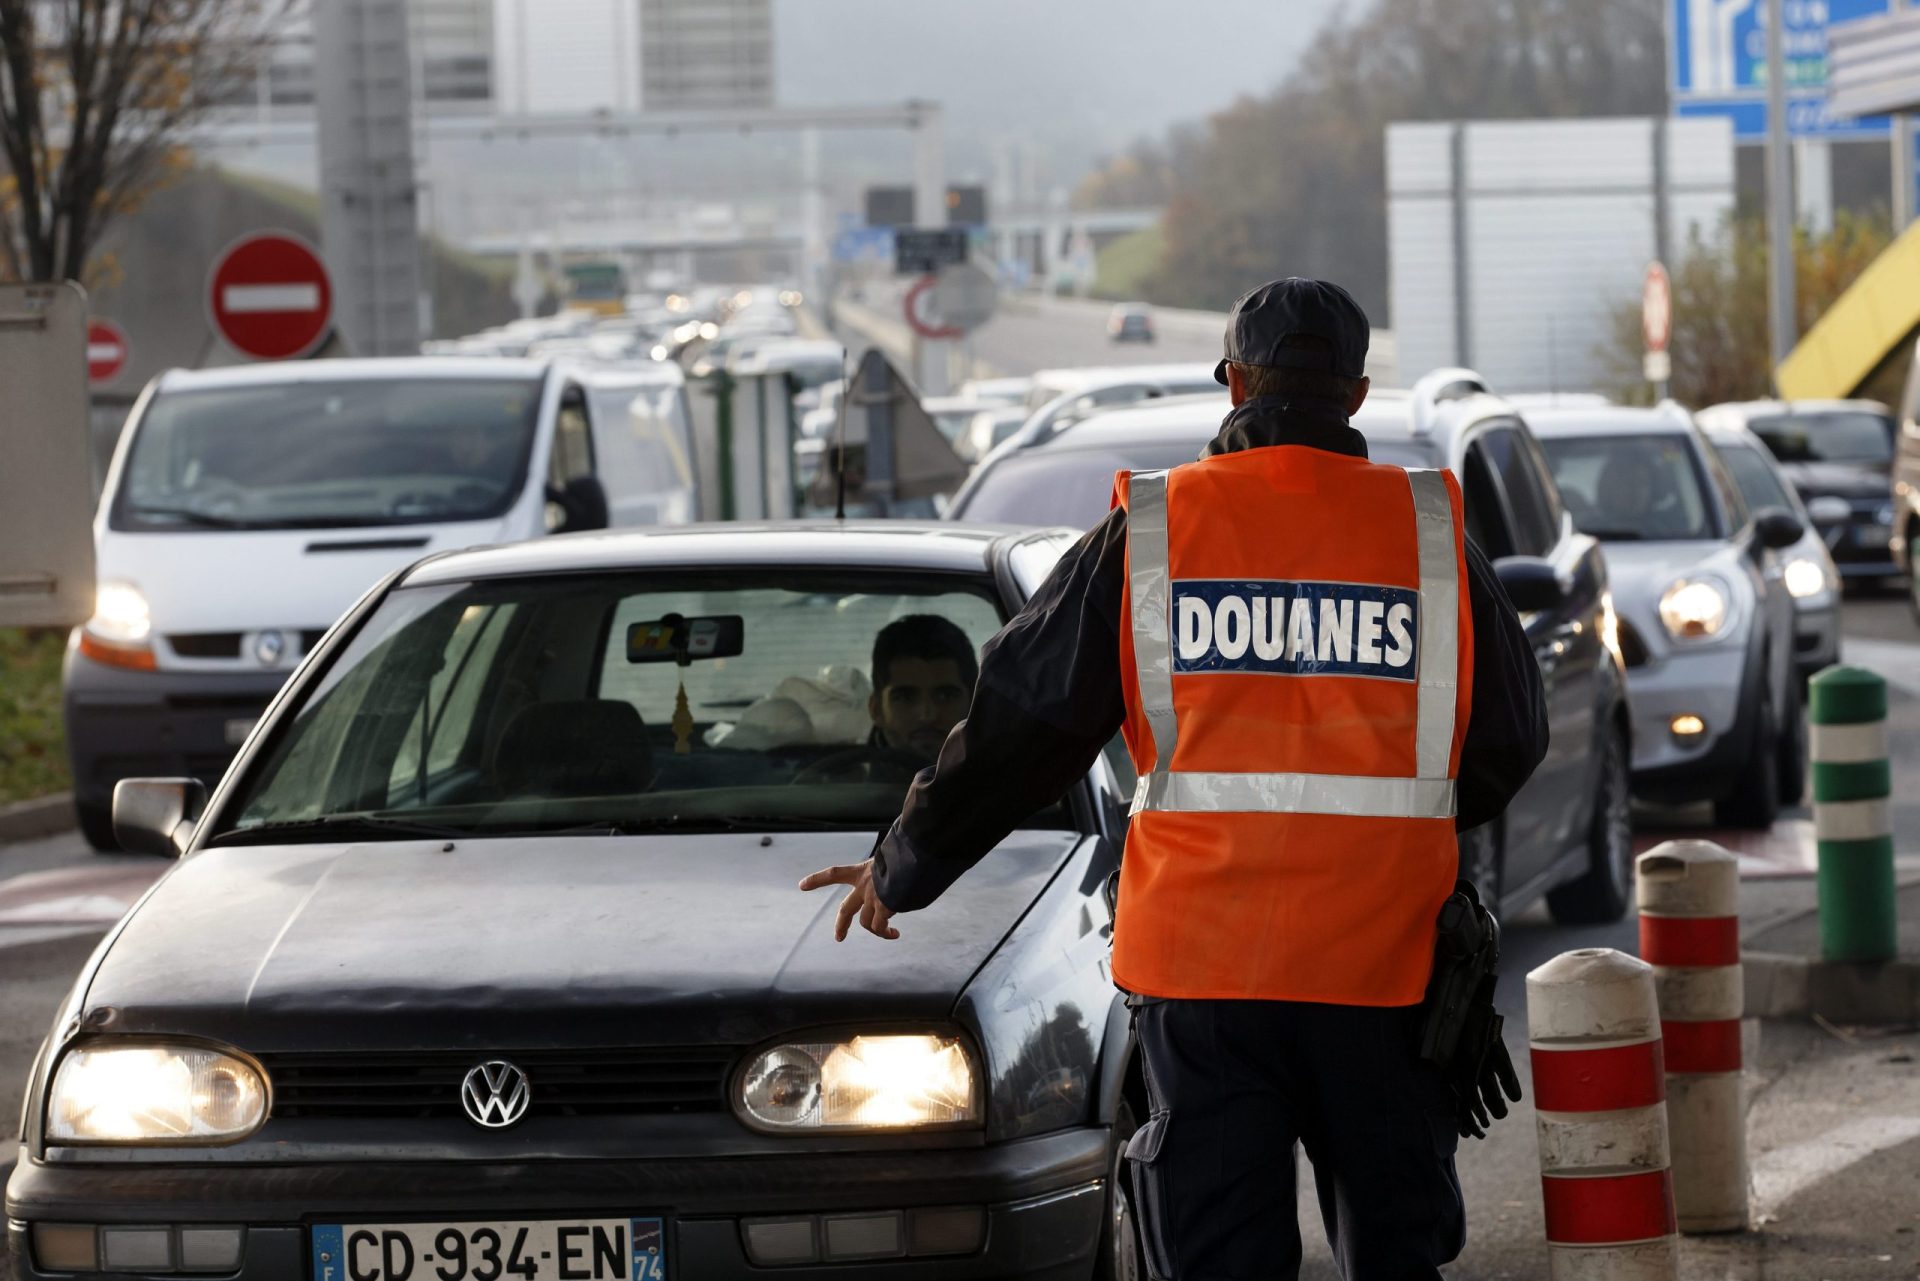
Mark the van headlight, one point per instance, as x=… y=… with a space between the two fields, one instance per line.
x=1694 y=609
x=154 y=1094
x=120 y=614
x=896 y=1082
x=1805 y=577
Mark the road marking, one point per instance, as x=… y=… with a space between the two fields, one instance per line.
x=1783 y=1173
x=249 y=299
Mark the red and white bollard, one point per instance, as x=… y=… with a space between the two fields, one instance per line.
x=1689 y=893
x=1599 y=1092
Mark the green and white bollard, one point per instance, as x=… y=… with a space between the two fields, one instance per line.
x=1851 y=784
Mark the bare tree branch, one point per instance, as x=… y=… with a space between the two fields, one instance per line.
x=98 y=98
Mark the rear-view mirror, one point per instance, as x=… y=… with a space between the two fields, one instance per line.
x=1532 y=584
x=679 y=639
x=1778 y=528
x=157 y=815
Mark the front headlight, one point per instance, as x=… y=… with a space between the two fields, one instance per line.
x=120 y=614
x=1805 y=577
x=1693 y=609
x=160 y=1094
x=863 y=1083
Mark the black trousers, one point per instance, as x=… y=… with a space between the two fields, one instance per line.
x=1235 y=1084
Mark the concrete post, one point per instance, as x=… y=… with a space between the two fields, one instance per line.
x=1599 y=1092
x=1689 y=896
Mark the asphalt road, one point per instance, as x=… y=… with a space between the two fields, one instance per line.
x=1836 y=1124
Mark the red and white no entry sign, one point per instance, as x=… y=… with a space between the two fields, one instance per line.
x=269 y=296
x=1656 y=308
x=106 y=350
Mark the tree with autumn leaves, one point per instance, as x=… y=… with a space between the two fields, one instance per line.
x=98 y=101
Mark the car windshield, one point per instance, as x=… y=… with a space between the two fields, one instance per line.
x=1626 y=487
x=1841 y=436
x=1063 y=486
x=1755 y=477
x=559 y=704
x=382 y=451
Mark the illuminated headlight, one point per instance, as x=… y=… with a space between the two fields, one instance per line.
x=154 y=1094
x=1805 y=578
x=660 y=351
x=864 y=1083
x=120 y=614
x=1693 y=609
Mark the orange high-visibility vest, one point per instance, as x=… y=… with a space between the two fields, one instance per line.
x=1298 y=669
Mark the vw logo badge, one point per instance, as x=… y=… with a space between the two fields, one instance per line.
x=268 y=647
x=495 y=1094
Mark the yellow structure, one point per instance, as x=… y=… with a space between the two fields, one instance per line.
x=1876 y=316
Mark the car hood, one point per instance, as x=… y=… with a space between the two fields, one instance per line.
x=1842 y=480
x=615 y=941
x=242 y=580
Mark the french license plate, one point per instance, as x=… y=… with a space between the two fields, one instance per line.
x=237 y=731
x=543 y=1250
x=1872 y=536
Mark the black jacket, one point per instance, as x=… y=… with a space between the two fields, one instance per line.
x=1049 y=697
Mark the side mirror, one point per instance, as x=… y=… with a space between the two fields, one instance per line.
x=1532 y=584
x=583 y=505
x=157 y=815
x=1778 y=528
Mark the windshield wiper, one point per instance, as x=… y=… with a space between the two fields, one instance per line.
x=1611 y=535
x=339 y=826
x=193 y=516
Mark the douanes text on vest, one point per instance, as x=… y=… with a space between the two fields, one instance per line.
x=1295 y=629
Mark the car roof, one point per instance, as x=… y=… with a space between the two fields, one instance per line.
x=371 y=369
x=1387 y=415
x=1764 y=408
x=930 y=546
x=1065 y=381
x=1619 y=420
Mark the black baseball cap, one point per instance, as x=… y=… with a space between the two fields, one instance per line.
x=1264 y=319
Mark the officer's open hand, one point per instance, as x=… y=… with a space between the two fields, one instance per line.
x=863 y=900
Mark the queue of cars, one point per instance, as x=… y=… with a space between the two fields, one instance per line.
x=482 y=958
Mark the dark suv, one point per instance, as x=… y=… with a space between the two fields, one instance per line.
x=1568 y=835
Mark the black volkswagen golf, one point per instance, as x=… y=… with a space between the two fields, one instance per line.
x=485 y=961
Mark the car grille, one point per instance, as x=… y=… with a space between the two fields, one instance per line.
x=565 y=1083
x=205 y=644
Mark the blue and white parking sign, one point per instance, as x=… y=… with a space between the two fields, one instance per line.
x=1718 y=55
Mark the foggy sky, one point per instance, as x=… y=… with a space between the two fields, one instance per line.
x=1079 y=75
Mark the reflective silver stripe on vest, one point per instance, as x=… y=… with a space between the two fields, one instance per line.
x=1152 y=593
x=1439 y=623
x=1429 y=794
x=1360 y=795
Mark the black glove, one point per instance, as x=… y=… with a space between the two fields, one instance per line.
x=1461 y=1028
x=1483 y=1081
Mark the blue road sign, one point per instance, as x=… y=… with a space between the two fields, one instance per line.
x=1807 y=117
x=864 y=245
x=1718 y=48
x=1717 y=51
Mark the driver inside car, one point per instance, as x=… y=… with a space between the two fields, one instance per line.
x=924 y=668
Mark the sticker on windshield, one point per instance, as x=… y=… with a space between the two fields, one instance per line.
x=1295 y=629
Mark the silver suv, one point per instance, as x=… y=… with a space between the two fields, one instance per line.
x=1706 y=621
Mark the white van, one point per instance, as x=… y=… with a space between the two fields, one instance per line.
x=246 y=509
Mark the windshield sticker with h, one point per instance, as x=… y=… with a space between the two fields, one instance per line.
x=1295 y=629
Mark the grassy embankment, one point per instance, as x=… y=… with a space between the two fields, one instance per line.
x=33 y=749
